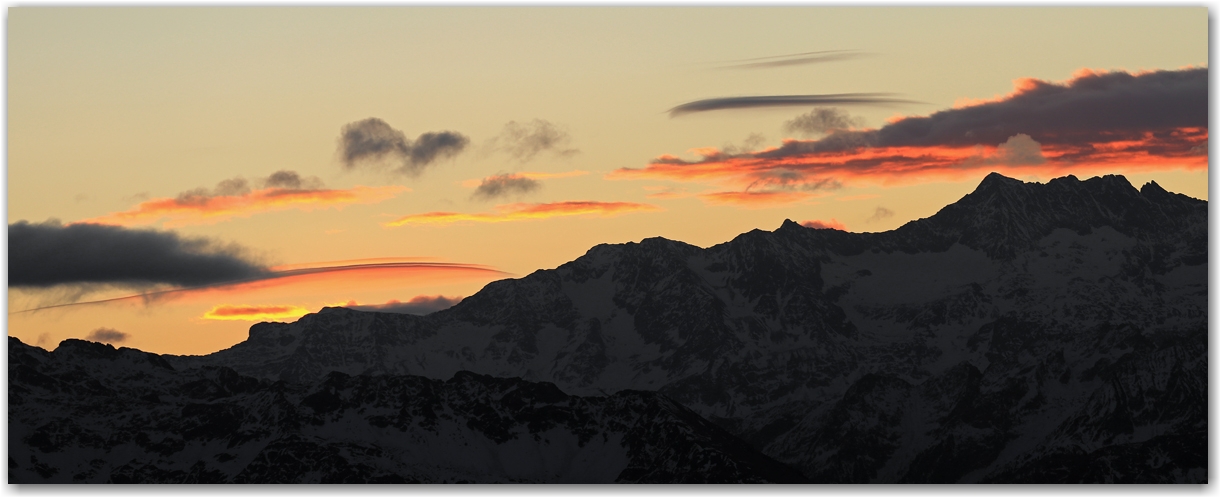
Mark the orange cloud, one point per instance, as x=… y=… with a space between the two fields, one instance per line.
x=255 y=312
x=519 y=212
x=833 y=224
x=754 y=199
x=186 y=210
x=1096 y=122
x=421 y=304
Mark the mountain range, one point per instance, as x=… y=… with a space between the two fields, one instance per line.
x=1026 y=333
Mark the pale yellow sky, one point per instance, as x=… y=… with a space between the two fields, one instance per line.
x=108 y=107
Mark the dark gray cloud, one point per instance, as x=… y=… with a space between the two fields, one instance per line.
x=106 y=335
x=524 y=141
x=786 y=101
x=1091 y=108
x=291 y=180
x=419 y=305
x=822 y=120
x=48 y=254
x=372 y=141
x=796 y=59
x=502 y=185
x=283 y=179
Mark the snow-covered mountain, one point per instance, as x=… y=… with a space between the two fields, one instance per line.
x=88 y=413
x=1026 y=333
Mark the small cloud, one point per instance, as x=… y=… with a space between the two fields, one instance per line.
x=822 y=120
x=795 y=59
x=524 y=141
x=879 y=214
x=503 y=185
x=372 y=142
x=43 y=339
x=665 y=192
x=832 y=224
x=106 y=335
x=420 y=305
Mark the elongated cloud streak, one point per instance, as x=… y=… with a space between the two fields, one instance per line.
x=212 y=209
x=48 y=254
x=796 y=59
x=326 y=277
x=786 y=101
x=1096 y=121
x=255 y=312
x=520 y=212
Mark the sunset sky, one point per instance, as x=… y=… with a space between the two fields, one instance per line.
x=177 y=174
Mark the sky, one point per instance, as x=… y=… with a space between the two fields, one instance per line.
x=178 y=174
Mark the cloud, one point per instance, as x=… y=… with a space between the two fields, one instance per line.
x=796 y=59
x=315 y=278
x=419 y=305
x=832 y=224
x=49 y=254
x=373 y=142
x=520 y=212
x=822 y=120
x=503 y=185
x=786 y=101
x=1095 y=122
x=524 y=141
x=879 y=214
x=235 y=198
x=228 y=312
x=753 y=199
x=106 y=335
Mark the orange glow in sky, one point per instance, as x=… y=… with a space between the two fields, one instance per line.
x=520 y=212
x=206 y=210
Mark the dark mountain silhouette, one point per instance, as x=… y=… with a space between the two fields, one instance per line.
x=1026 y=333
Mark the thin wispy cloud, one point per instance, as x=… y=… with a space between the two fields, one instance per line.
x=324 y=277
x=522 y=212
x=757 y=102
x=228 y=312
x=524 y=141
x=822 y=120
x=797 y=59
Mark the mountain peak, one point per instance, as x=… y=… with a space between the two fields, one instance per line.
x=997 y=180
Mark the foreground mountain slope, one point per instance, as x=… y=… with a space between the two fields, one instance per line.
x=88 y=413
x=1023 y=326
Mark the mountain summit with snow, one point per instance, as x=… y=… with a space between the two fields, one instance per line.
x=1027 y=333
